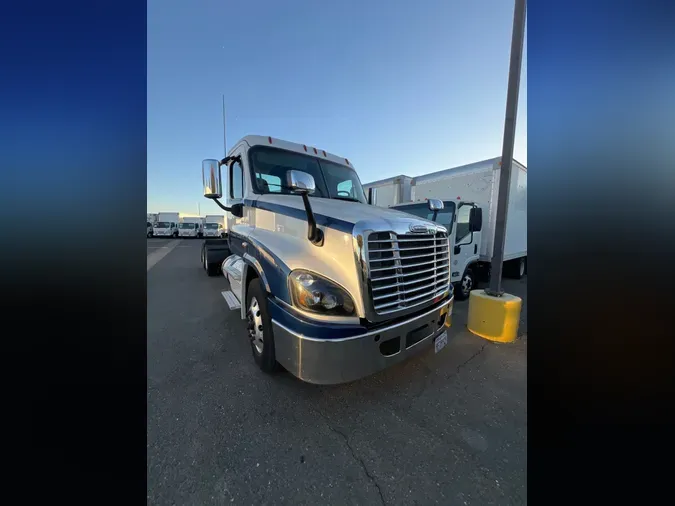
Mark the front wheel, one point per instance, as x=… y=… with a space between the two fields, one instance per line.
x=260 y=328
x=465 y=285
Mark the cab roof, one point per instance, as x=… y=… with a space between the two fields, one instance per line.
x=305 y=149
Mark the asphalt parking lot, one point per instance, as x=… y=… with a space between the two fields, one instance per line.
x=447 y=428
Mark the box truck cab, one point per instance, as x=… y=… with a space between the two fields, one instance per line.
x=470 y=194
x=333 y=288
x=167 y=225
x=191 y=226
x=214 y=226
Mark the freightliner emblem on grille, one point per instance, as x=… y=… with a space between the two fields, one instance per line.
x=421 y=229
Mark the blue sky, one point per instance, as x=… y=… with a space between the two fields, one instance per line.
x=398 y=87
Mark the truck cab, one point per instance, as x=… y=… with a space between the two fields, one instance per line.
x=166 y=229
x=190 y=227
x=214 y=230
x=333 y=289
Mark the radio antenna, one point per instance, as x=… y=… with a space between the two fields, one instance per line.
x=224 y=136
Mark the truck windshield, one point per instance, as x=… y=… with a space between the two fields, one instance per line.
x=163 y=224
x=188 y=226
x=421 y=210
x=211 y=226
x=270 y=167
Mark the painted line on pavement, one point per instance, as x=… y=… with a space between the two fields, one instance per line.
x=161 y=252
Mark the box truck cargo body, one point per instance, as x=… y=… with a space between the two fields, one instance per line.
x=389 y=192
x=479 y=183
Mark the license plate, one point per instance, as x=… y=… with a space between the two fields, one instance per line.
x=440 y=341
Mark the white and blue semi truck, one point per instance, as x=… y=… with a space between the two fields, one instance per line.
x=333 y=289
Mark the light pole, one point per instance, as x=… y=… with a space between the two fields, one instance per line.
x=517 y=37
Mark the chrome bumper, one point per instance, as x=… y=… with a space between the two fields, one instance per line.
x=333 y=361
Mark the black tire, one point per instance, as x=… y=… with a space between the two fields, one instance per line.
x=465 y=285
x=201 y=258
x=266 y=359
x=517 y=268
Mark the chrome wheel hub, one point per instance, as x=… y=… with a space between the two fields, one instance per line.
x=467 y=283
x=255 y=325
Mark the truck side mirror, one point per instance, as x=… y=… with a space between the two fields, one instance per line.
x=237 y=210
x=475 y=219
x=435 y=205
x=211 y=180
x=370 y=196
x=301 y=182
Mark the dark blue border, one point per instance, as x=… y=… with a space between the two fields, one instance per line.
x=321 y=219
x=276 y=272
x=311 y=329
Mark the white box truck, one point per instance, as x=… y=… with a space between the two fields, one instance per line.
x=214 y=226
x=191 y=226
x=150 y=224
x=469 y=194
x=388 y=192
x=167 y=225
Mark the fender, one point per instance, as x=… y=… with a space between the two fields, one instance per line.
x=251 y=263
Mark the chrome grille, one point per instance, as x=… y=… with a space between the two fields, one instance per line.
x=407 y=270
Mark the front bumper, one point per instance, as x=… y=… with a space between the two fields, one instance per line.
x=333 y=361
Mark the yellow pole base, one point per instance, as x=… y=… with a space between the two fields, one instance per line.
x=494 y=318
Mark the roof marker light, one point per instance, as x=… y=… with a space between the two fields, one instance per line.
x=305 y=147
x=347 y=161
x=324 y=152
x=315 y=151
x=270 y=139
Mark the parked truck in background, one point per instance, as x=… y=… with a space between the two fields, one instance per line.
x=214 y=226
x=470 y=195
x=390 y=191
x=151 y=220
x=167 y=225
x=191 y=226
x=333 y=289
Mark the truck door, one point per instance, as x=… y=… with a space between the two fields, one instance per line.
x=467 y=244
x=236 y=190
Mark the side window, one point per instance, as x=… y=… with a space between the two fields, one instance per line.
x=236 y=181
x=444 y=218
x=462 y=223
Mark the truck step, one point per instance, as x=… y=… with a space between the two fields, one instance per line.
x=231 y=300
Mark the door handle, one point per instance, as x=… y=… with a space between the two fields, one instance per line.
x=475 y=249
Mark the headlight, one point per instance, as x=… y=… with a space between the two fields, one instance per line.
x=316 y=294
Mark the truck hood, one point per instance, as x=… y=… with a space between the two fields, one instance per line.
x=342 y=210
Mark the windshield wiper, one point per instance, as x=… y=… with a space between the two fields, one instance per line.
x=350 y=199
